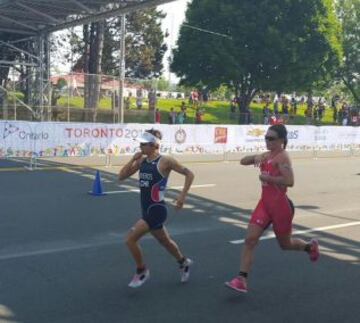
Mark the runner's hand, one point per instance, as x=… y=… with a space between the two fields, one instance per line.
x=137 y=156
x=258 y=159
x=264 y=178
x=179 y=202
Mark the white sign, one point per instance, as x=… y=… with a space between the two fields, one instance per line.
x=47 y=139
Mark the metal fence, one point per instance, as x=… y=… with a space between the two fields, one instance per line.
x=67 y=98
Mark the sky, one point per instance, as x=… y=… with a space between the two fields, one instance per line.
x=175 y=16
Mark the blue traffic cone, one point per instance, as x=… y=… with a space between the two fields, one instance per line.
x=97 y=187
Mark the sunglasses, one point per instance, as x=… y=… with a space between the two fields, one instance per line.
x=142 y=144
x=270 y=138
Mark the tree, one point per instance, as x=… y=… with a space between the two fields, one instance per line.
x=258 y=45
x=349 y=13
x=163 y=85
x=94 y=42
x=144 y=45
x=99 y=50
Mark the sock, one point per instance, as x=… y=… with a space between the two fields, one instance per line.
x=243 y=274
x=140 y=270
x=181 y=261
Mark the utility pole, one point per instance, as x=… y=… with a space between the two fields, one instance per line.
x=122 y=68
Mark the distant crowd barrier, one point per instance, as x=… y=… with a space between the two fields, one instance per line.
x=55 y=139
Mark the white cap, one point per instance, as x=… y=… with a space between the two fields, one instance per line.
x=147 y=137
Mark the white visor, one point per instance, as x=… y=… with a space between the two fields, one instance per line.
x=147 y=137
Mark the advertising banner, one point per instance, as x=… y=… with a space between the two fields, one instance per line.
x=47 y=139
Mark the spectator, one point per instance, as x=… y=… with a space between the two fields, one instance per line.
x=127 y=102
x=205 y=94
x=316 y=115
x=309 y=111
x=321 y=110
x=345 y=115
x=180 y=117
x=195 y=97
x=266 y=114
x=335 y=114
x=139 y=98
x=172 y=116
x=293 y=106
x=157 y=116
x=190 y=99
x=285 y=110
x=354 y=116
x=152 y=99
x=198 y=116
x=276 y=108
x=183 y=110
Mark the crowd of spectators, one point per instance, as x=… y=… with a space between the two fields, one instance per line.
x=284 y=109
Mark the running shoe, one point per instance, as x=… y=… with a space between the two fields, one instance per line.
x=139 y=279
x=238 y=284
x=314 y=253
x=185 y=270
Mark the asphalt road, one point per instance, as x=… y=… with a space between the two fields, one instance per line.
x=62 y=256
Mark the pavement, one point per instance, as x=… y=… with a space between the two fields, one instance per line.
x=63 y=258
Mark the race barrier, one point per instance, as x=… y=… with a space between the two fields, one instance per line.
x=55 y=139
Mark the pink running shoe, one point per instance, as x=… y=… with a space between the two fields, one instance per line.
x=139 y=279
x=314 y=253
x=238 y=284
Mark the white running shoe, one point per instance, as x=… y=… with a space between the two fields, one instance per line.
x=185 y=270
x=139 y=279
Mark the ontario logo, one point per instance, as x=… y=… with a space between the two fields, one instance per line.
x=9 y=129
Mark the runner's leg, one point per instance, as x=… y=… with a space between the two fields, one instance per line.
x=137 y=231
x=163 y=237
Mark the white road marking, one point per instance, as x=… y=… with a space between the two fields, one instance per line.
x=65 y=246
x=297 y=232
x=73 y=247
x=27 y=162
x=170 y=188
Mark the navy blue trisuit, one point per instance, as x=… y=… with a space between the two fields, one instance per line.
x=152 y=190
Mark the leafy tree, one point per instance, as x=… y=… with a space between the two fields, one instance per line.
x=99 y=50
x=279 y=45
x=349 y=13
x=163 y=85
x=144 y=45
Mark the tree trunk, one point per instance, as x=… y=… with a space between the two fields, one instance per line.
x=86 y=36
x=94 y=48
x=4 y=74
x=352 y=90
x=246 y=95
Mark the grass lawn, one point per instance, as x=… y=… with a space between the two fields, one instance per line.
x=215 y=112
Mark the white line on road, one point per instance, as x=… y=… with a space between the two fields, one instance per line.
x=327 y=228
x=27 y=162
x=171 y=188
x=65 y=246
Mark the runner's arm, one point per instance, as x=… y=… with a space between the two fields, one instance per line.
x=189 y=178
x=131 y=167
x=253 y=159
x=287 y=175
